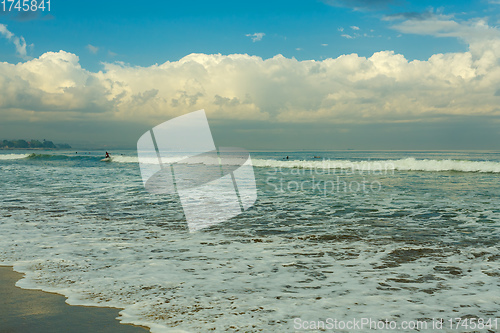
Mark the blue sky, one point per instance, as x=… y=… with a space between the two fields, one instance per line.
x=81 y=48
x=162 y=31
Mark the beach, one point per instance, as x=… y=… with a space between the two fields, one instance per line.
x=24 y=310
x=250 y=166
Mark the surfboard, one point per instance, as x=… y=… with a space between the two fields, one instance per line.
x=106 y=159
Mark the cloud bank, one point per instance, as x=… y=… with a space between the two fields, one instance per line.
x=383 y=88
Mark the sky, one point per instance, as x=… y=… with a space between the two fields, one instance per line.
x=271 y=75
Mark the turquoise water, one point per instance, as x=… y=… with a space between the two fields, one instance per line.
x=380 y=235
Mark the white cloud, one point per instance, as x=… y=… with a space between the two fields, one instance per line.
x=340 y=29
x=353 y=27
x=385 y=87
x=483 y=40
x=256 y=37
x=54 y=82
x=357 y=35
x=18 y=42
x=6 y=33
x=440 y=25
x=92 y=49
x=324 y=44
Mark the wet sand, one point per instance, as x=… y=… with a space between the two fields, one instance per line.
x=37 y=311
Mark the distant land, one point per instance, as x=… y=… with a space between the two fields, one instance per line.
x=32 y=144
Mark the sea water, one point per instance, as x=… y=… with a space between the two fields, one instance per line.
x=340 y=235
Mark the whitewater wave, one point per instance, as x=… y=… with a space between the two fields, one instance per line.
x=53 y=157
x=147 y=160
x=407 y=164
x=13 y=156
x=412 y=164
x=130 y=159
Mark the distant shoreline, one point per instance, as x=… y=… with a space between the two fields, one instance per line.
x=32 y=144
x=1 y=148
x=4 y=148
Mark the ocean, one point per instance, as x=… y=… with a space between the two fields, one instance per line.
x=334 y=238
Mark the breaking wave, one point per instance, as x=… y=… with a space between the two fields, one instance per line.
x=407 y=164
x=12 y=156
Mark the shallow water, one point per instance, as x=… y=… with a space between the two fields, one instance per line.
x=380 y=235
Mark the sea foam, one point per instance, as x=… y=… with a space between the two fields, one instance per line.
x=407 y=164
x=12 y=156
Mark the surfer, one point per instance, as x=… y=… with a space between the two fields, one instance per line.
x=107 y=155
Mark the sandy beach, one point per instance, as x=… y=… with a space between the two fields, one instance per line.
x=37 y=311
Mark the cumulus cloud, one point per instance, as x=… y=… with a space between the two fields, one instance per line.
x=92 y=49
x=18 y=42
x=256 y=37
x=54 y=82
x=385 y=87
x=353 y=27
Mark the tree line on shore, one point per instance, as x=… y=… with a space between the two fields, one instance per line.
x=23 y=144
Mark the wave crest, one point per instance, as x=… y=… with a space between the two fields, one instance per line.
x=13 y=156
x=407 y=164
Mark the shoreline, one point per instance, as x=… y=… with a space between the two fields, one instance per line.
x=51 y=149
x=27 y=310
